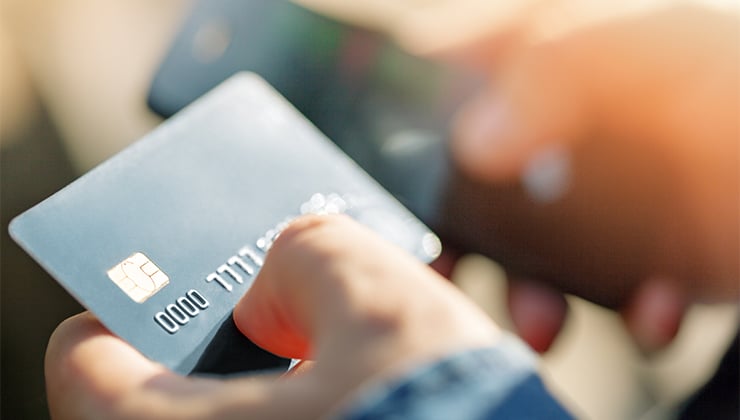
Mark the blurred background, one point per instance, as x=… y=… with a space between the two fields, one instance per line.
x=74 y=78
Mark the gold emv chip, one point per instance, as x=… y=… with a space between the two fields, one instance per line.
x=138 y=277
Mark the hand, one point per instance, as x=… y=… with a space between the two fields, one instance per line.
x=330 y=290
x=624 y=137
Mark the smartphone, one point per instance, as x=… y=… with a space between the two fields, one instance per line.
x=388 y=110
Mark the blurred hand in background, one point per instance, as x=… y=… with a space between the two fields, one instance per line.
x=620 y=122
x=623 y=132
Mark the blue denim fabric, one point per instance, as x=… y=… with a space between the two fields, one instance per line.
x=499 y=382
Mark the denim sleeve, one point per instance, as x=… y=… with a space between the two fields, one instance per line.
x=499 y=382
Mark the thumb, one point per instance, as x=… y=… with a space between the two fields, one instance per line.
x=331 y=289
x=533 y=105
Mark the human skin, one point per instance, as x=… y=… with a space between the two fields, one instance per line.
x=675 y=102
x=330 y=290
x=643 y=111
x=635 y=104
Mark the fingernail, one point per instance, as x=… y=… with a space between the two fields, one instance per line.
x=547 y=176
x=480 y=127
x=649 y=336
x=656 y=314
x=537 y=312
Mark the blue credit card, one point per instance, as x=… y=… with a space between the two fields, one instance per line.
x=162 y=240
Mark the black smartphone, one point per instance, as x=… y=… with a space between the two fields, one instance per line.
x=386 y=109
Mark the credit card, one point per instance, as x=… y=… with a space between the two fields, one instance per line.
x=162 y=240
